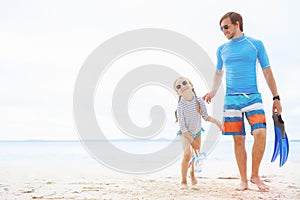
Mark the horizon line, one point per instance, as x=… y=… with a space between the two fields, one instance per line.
x=118 y=139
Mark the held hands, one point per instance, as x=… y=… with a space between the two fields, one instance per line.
x=208 y=97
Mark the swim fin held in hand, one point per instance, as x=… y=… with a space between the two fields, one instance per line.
x=281 y=146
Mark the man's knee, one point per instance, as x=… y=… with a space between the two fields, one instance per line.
x=259 y=133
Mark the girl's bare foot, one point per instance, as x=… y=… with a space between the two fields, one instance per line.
x=194 y=180
x=243 y=186
x=183 y=186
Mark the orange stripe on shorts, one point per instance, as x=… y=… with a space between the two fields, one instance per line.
x=233 y=126
x=257 y=118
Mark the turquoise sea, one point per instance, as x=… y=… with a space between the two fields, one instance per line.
x=26 y=152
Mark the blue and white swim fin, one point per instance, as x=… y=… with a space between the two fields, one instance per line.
x=197 y=160
x=281 y=146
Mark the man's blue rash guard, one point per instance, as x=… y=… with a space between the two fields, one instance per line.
x=239 y=57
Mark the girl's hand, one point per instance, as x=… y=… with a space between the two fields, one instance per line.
x=195 y=145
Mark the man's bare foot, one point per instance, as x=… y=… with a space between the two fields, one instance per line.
x=194 y=180
x=260 y=184
x=243 y=186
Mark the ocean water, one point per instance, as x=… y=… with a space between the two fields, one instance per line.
x=28 y=152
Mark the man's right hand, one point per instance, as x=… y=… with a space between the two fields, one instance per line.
x=216 y=84
x=208 y=97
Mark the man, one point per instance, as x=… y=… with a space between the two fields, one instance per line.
x=239 y=57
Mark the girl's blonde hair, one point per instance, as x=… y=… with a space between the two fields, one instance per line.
x=198 y=104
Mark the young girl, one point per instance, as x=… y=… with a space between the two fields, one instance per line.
x=189 y=111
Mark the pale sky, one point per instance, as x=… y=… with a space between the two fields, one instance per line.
x=43 y=45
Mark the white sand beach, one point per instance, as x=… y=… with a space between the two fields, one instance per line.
x=90 y=180
x=94 y=182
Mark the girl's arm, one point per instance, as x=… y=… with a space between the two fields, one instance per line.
x=191 y=140
x=188 y=136
x=206 y=117
x=215 y=121
x=184 y=129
